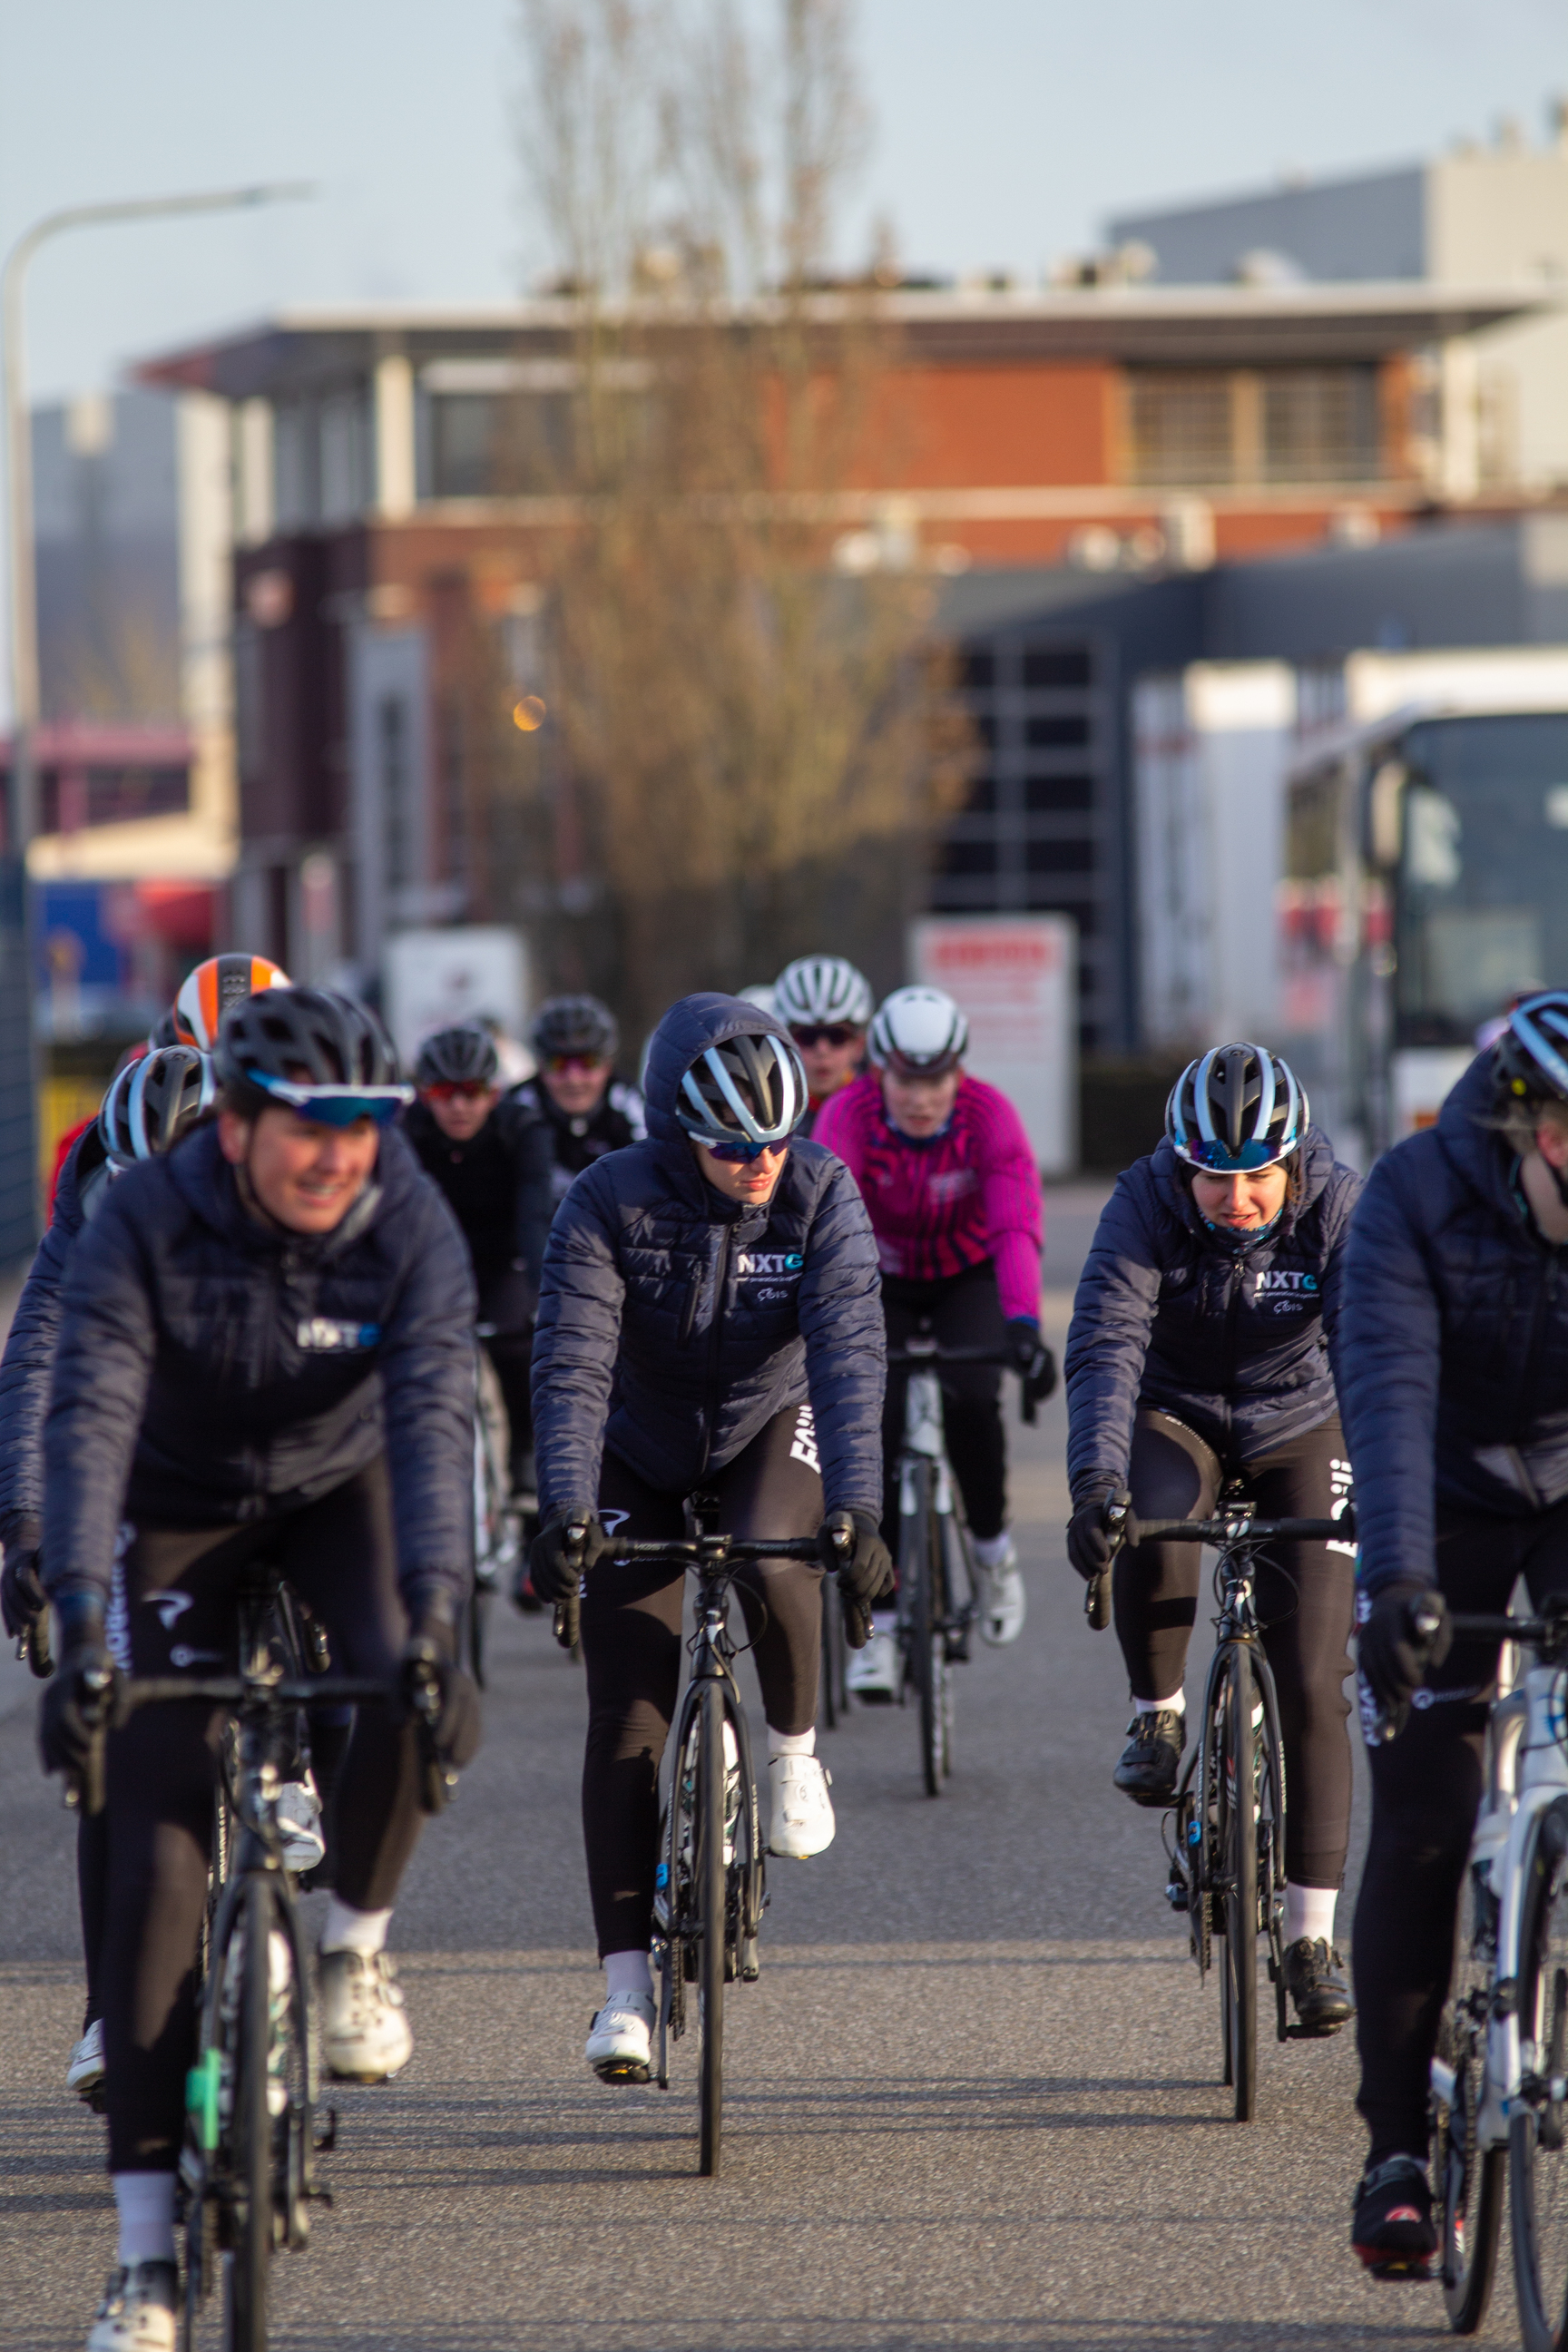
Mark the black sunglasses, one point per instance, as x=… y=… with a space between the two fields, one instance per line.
x=825 y=1033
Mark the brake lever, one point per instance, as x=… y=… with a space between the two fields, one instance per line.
x=568 y=1619
x=1119 y=1520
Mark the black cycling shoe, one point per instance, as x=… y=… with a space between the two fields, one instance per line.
x=1149 y=1763
x=1315 y=1980
x=1392 y=2231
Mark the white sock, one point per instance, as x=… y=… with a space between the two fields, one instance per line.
x=1309 y=1912
x=145 y=2203
x=348 y=1930
x=992 y=1550
x=1176 y=1705
x=627 y=1973
x=791 y=1743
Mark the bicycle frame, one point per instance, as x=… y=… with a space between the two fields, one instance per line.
x=924 y=1458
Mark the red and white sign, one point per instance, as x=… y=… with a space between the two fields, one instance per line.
x=1016 y=977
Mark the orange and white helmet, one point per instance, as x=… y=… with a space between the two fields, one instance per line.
x=206 y=993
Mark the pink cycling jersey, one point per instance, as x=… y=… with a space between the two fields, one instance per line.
x=969 y=1193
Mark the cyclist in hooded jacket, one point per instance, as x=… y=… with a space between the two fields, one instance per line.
x=1454 y=1381
x=1199 y=1353
x=709 y=1322
x=265 y=1352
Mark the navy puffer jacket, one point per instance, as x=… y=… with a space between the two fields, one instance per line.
x=673 y=1324
x=211 y=1370
x=29 y=1357
x=1454 y=1345
x=1234 y=1344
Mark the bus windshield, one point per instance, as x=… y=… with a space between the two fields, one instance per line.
x=1481 y=898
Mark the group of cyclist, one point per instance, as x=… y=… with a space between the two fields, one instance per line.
x=249 y=1333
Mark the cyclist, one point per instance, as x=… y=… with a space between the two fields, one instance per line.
x=265 y=1352
x=589 y=1111
x=1198 y=1353
x=708 y=1321
x=955 y=1204
x=1453 y=1382
x=826 y=1006
x=491 y=1157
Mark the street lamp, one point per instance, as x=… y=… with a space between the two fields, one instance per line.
x=23 y=618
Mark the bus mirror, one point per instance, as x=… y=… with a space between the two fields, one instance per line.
x=1383 y=811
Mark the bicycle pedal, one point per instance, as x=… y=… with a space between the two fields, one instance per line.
x=1177 y=1894
x=324 y=2139
x=751 y=1965
x=1399 y=2270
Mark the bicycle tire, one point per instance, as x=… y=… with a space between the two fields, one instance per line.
x=1469 y=2181
x=712 y=1890
x=1538 y=2141
x=251 y=2211
x=1238 y=1861
x=835 y=1699
x=917 y=1557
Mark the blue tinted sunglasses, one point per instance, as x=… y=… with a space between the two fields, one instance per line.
x=746 y=1152
x=1219 y=1160
x=335 y=1105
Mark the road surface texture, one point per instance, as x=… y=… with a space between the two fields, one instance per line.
x=972 y=2101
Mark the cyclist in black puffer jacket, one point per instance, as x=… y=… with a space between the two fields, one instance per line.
x=1199 y=1353
x=1453 y=1382
x=710 y=1318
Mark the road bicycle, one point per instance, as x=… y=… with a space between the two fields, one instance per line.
x=246 y=2170
x=1226 y=1842
x=1499 y=2078
x=711 y=1883
x=497 y=1546
x=937 y=1584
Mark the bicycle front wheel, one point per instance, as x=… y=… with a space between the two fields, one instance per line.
x=711 y=1890
x=1538 y=2146
x=1238 y=1848
x=920 y=1566
x=251 y=2208
x=1469 y=2178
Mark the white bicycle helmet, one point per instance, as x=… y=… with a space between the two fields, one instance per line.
x=818 y=991
x=1237 y=1108
x=918 y=1032
x=750 y=1089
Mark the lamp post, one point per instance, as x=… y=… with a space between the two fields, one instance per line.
x=21 y=580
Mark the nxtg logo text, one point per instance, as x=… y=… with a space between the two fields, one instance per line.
x=777 y=1263
x=1282 y=1278
x=319 y=1331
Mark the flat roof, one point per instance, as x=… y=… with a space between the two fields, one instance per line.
x=1228 y=326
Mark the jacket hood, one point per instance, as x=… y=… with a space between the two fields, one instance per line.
x=1169 y=1177
x=206 y=1183
x=688 y=1029
x=1471 y=1142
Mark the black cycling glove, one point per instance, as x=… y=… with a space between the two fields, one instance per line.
x=556 y=1567
x=74 y=1712
x=1089 y=1545
x=441 y=1699
x=1393 y=1654
x=864 y=1566
x=1035 y=1364
x=24 y=1604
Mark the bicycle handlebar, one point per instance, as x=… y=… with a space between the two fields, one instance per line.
x=938 y=1355
x=232 y=1690
x=693 y=1552
x=1238 y=1533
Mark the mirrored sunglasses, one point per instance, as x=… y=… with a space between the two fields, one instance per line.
x=335 y=1105
x=743 y=1151
x=456 y=1089
x=1218 y=1160
x=825 y=1033
x=589 y=1063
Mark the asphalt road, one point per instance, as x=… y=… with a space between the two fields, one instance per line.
x=975 y=2099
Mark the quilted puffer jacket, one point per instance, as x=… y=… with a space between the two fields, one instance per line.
x=29 y=1359
x=1234 y=1343
x=1454 y=1344
x=674 y=1324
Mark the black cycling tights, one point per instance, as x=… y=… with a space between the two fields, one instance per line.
x=963 y=1311
x=1304 y=1600
x=173 y=1613
x=1425 y=1790
x=632 y=1648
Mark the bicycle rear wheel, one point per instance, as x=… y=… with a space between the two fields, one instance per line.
x=1237 y=1849
x=1469 y=2179
x=711 y=1907
x=1538 y=2144
x=251 y=2157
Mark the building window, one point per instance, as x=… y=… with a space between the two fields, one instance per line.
x=1068 y=732
x=1056 y=666
x=1223 y=426
x=1057 y=795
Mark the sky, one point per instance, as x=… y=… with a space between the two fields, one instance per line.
x=1004 y=131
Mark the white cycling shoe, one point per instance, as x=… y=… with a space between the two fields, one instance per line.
x=800 y=1822
x=85 y=2071
x=299 y=1814
x=1000 y=1593
x=872 y=1674
x=620 y=2039
x=366 y=2036
x=137 y=2314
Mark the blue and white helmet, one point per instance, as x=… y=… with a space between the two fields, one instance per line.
x=816 y=991
x=1235 y=1109
x=749 y=1090
x=1531 y=1054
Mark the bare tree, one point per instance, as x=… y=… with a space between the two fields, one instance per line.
x=747 y=750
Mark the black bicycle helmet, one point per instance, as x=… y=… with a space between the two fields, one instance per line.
x=165 y=1030
x=1235 y=1109
x=153 y=1102
x=463 y=1057
x=1531 y=1057
x=750 y=1089
x=575 y=1024
x=307 y=1035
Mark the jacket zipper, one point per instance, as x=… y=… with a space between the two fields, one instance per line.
x=715 y=1341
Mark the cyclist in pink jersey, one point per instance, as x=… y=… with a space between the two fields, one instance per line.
x=953 y=1194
